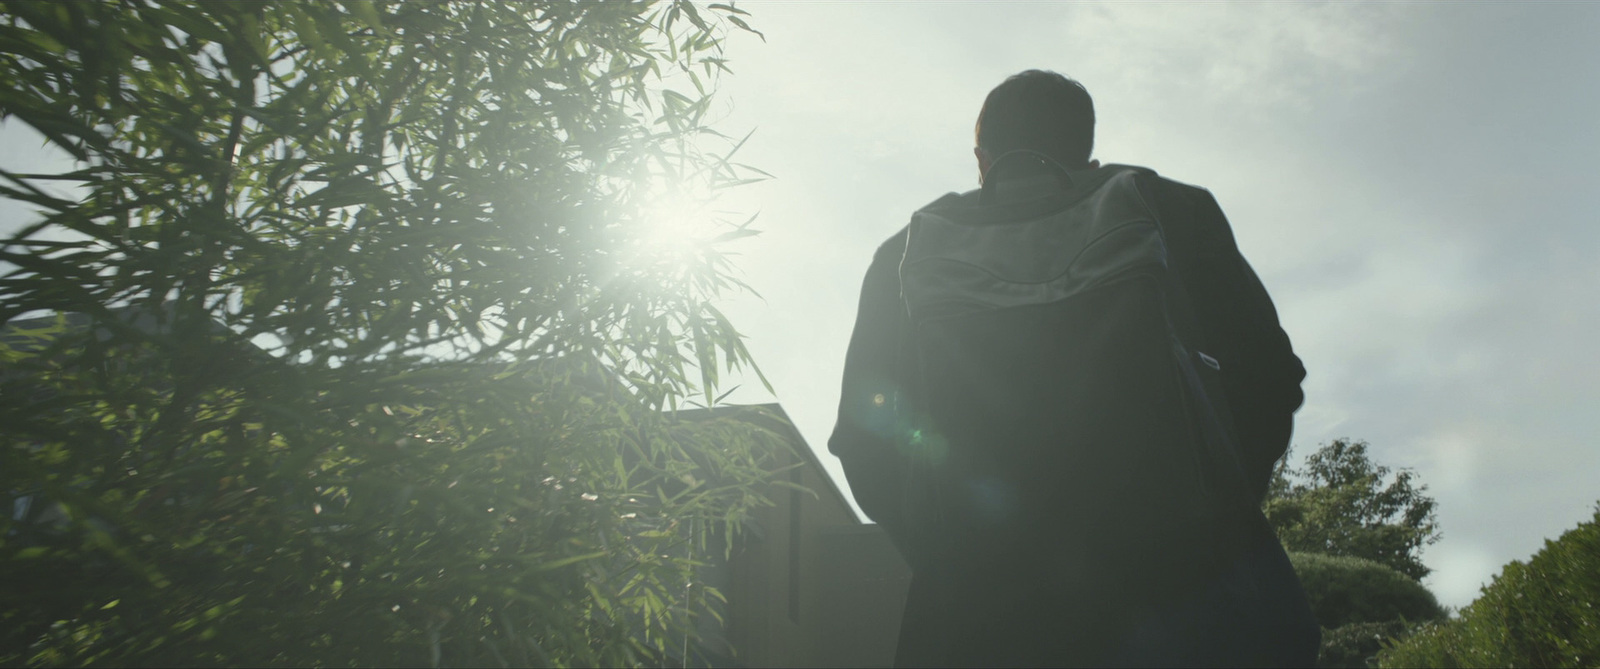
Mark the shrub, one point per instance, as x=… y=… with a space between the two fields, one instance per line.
x=1346 y=590
x=1355 y=644
x=1542 y=613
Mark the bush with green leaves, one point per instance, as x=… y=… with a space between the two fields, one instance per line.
x=1360 y=605
x=353 y=337
x=1542 y=613
x=1345 y=590
x=1354 y=646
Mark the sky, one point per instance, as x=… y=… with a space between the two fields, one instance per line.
x=1414 y=182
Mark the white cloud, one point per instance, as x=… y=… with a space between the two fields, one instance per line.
x=1255 y=58
x=1452 y=459
x=1459 y=570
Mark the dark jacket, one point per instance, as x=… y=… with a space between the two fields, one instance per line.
x=1007 y=618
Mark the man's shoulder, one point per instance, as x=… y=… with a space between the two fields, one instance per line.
x=950 y=200
x=1161 y=185
x=894 y=247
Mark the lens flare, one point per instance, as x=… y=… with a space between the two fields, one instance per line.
x=679 y=221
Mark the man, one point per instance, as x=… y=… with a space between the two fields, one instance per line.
x=1029 y=548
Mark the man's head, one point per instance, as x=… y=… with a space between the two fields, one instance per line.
x=1041 y=111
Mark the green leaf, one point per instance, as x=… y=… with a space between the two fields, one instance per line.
x=557 y=564
x=32 y=552
x=746 y=27
x=367 y=12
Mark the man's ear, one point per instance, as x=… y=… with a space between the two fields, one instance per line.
x=983 y=163
x=1094 y=164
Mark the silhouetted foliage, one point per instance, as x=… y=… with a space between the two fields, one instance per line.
x=1354 y=646
x=1342 y=503
x=350 y=343
x=1542 y=613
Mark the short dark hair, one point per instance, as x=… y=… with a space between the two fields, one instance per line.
x=1041 y=111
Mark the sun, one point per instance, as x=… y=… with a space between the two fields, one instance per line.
x=679 y=219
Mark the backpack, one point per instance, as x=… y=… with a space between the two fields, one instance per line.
x=1064 y=407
